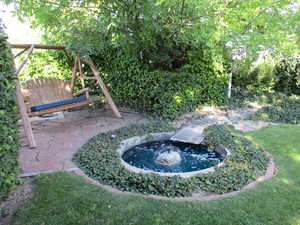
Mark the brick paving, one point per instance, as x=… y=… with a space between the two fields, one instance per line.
x=59 y=139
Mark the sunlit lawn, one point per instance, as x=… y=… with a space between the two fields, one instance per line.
x=63 y=198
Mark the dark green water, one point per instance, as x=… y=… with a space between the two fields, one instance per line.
x=193 y=157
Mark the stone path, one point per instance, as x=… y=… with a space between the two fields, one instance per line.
x=59 y=139
x=191 y=126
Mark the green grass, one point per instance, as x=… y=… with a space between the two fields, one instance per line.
x=63 y=198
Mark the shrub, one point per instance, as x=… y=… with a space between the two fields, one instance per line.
x=166 y=94
x=258 y=75
x=288 y=75
x=8 y=120
x=285 y=111
x=241 y=97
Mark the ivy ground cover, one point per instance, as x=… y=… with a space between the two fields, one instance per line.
x=285 y=111
x=63 y=198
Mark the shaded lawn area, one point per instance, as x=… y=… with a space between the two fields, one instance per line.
x=64 y=198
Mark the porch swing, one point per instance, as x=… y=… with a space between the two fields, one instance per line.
x=48 y=95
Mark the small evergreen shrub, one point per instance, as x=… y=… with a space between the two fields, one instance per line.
x=8 y=120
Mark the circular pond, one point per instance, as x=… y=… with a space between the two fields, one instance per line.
x=166 y=156
x=102 y=158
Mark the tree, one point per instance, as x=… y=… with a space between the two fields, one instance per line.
x=252 y=25
x=134 y=41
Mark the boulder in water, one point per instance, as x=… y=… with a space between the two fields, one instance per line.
x=168 y=158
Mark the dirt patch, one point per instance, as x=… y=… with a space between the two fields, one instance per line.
x=18 y=197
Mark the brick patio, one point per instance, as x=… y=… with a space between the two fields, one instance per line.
x=59 y=139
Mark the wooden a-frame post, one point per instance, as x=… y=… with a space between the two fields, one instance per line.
x=22 y=106
x=99 y=82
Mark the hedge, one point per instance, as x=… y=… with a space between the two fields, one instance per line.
x=166 y=94
x=8 y=120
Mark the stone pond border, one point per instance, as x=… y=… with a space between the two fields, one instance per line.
x=204 y=196
x=133 y=141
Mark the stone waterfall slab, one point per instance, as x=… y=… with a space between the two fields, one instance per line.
x=189 y=135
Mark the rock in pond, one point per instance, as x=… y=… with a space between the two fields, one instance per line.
x=168 y=158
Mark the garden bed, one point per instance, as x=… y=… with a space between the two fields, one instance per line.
x=99 y=159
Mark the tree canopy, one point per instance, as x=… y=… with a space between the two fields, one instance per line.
x=167 y=57
x=245 y=27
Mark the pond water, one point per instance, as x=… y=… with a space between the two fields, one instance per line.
x=171 y=157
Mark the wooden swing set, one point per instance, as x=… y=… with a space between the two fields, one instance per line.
x=48 y=95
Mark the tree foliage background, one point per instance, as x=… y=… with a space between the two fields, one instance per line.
x=252 y=25
x=133 y=40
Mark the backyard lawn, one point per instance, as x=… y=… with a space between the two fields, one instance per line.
x=64 y=198
x=207 y=66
